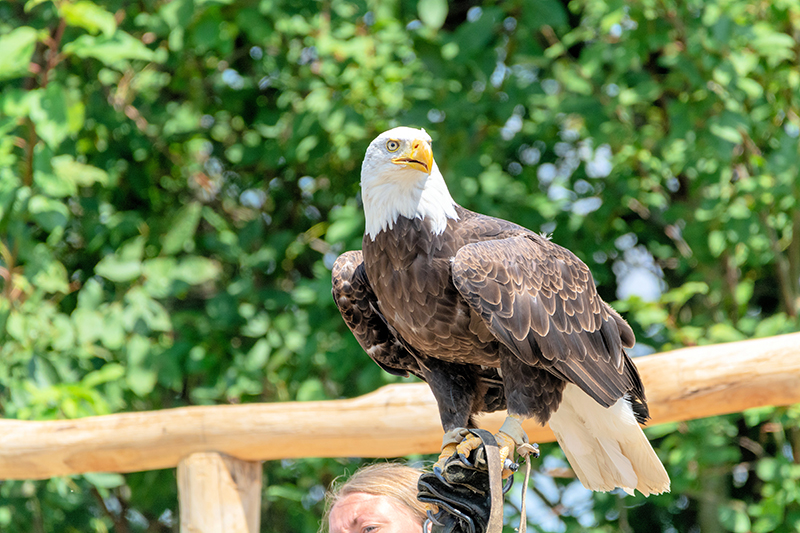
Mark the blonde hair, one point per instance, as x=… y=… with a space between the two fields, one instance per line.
x=393 y=480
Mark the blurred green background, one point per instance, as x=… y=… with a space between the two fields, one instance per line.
x=176 y=179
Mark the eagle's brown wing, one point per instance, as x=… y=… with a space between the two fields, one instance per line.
x=359 y=308
x=539 y=300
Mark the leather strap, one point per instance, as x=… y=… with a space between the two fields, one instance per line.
x=495 y=524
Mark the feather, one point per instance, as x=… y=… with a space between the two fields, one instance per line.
x=539 y=319
x=507 y=308
x=606 y=447
x=519 y=321
x=490 y=293
x=558 y=315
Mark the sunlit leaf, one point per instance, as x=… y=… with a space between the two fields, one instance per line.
x=106 y=480
x=49 y=112
x=119 y=270
x=109 y=372
x=110 y=50
x=81 y=174
x=183 y=229
x=89 y=16
x=16 y=50
x=48 y=213
x=432 y=13
x=196 y=270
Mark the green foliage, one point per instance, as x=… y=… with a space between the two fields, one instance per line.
x=177 y=177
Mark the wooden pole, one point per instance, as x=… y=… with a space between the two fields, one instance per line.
x=393 y=421
x=219 y=494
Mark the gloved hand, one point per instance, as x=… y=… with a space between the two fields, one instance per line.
x=461 y=491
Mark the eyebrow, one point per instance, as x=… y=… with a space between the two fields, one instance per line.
x=354 y=521
x=348 y=526
x=361 y=519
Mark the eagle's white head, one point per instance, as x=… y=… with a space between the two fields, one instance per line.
x=400 y=178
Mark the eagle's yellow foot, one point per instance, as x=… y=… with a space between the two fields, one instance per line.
x=450 y=442
x=507 y=447
x=508 y=438
x=460 y=441
x=466 y=447
x=447 y=451
x=505 y=444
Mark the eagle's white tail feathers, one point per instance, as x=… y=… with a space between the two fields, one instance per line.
x=606 y=447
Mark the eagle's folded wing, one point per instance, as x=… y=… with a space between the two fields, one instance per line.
x=539 y=299
x=359 y=308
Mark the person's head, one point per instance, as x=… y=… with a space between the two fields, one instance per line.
x=380 y=498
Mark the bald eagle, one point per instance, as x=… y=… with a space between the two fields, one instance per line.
x=491 y=315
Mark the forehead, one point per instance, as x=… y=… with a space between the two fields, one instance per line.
x=405 y=133
x=359 y=507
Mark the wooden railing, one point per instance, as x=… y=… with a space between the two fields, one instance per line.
x=218 y=449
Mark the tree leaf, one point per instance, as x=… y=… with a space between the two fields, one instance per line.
x=45 y=178
x=49 y=214
x=140 y=306
x=538 y=13
x=48 y=112
x=125 y=265
x=197 y=270
x=159 y=274
x=30 y=4
x=110 y=50
x=432 y=13
x=105 y=480
x=80 y=174
x=183 y=228
x=776 y=46
x=89 y=324
x=16 y=50
x=109 y=372
x=52 y=278
x=88 y=16
x=727 y=133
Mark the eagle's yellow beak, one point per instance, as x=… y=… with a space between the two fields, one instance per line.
x=419 y=157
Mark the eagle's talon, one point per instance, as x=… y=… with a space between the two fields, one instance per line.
x=432 y=518
x=507 y=446
x=463 y=459
x=448 y=449
x=437 y=471
x=467 y=446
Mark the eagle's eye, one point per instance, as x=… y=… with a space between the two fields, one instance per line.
x=392 y=145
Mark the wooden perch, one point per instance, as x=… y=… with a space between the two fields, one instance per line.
x=219 y=494
x=395 y=420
